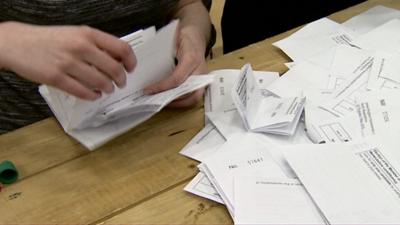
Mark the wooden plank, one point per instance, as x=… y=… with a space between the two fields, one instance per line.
x=174 y=207
x=38 y=147
x=128 y=170
x=43 y=145
x=216 y=14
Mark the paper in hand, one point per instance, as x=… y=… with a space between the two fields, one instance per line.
x=93 y=123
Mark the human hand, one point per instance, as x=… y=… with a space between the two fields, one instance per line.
x=80 y=60
x=191 y=61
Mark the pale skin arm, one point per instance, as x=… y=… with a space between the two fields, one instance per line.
x=193 y=35
x=80 y=60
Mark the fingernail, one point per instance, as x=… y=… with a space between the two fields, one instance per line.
x=122 y=81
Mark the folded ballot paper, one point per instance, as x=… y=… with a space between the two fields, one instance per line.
x=93 y=123
x=263 y=111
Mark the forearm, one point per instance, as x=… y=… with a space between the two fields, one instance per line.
x=5 y=27
x=194 y=16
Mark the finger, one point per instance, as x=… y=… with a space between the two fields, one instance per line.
x=184 y=68
x=91 y=77
x=107 y=65
x=117 y=48
x=190 y=100
x=74 y=87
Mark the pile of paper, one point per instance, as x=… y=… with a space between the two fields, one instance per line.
x=93 y=123
x=338 y=163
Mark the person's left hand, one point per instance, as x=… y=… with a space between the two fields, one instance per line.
x=191 y=61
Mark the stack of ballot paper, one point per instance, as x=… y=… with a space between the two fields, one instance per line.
x=93 y=123
x=338 y=109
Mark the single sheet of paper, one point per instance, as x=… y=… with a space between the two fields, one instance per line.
x=204 y=144
x=348 y=181
x=383 y=38
x=314 y=38
x=372 y=18
x=381 y=71
x=201 y=186
x=227 y=123
x=389 y=68
x=303 y=76
x=323 y=127
x=379 y=112
x=263 y=200
x=355 y=64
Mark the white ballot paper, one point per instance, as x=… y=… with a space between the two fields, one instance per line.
x=384 y=74
x=265 y=112
x=303 y=76
x=389 y=69
x=204 y=144
x=384 y=38
x=227 y=123
x=379 y=112
x=371 y=19
x=93 y=123
x=355 y=64
x=263 y=200
x=354 y=183
x=314 y=38
x=323 y=127
x=201 y=186
x=241 y=154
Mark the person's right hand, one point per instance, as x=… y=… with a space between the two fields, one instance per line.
x=80 y=60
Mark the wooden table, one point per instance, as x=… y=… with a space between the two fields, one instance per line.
x=135 y=179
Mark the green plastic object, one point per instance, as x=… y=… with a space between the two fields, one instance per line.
x=8 y=172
